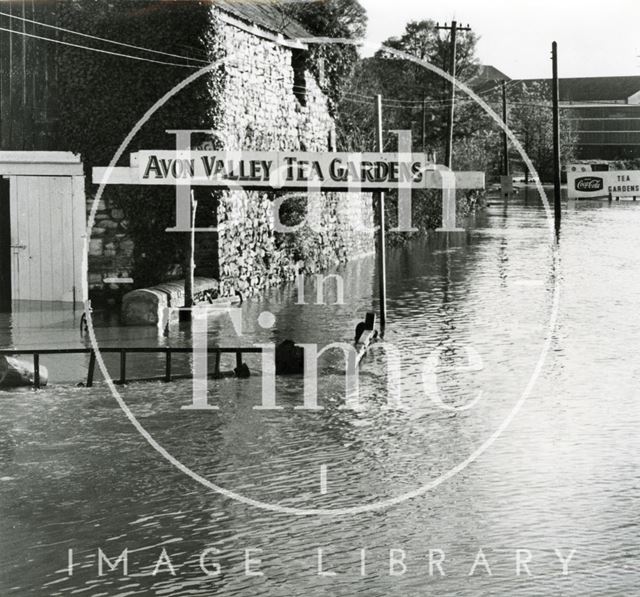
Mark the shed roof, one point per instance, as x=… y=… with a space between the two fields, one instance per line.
x=487 y=72
x=266 y=14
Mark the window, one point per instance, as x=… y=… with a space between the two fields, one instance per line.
x=298 y=63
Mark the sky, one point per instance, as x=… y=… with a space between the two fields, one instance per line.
x=594 y=38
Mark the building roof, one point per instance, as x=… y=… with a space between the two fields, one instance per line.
x=577 y=89
x=487 y=72
x=595 y=89
x=266 y=14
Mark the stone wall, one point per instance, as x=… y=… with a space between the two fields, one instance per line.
x=278 y=106
x=110 y=248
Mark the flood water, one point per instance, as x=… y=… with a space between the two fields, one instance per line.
x=469 y=318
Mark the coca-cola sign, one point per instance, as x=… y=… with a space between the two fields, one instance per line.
x=583 y=182
x=589 y=183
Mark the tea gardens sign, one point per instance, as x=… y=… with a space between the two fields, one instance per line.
x=184 y=168
x=583 y=184
x=285 y=170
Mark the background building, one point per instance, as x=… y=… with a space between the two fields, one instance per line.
x=604 y=111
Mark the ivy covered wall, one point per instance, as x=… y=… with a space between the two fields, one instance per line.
x=275 y=104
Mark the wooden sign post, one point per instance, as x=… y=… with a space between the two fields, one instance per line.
x=382 y=242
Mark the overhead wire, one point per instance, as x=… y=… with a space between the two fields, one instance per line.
x=92 y=49
x=182 y=56
x=355 y=97
x=498 y=86
x=429 y=102
x=444 y=104
x=102 y=39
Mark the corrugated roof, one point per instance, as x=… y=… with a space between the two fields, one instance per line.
x=265 y=14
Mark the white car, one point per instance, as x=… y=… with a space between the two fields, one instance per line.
x=532 y=179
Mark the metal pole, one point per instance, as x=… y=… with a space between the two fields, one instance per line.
x=505 y=139
x=452 y=96
x=382 y=259
x=557 y=212
x=185 y=315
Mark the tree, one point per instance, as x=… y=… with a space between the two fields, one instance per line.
x=531 y=120
x=413 y=94
x=423 y=40
x=331 y=63
x=407 y=85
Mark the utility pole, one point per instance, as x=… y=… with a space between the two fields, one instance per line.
x=505 y=180
x=454 y=28
x=505 y=138
x=557 y=211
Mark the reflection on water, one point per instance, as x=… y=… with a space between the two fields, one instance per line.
x=75 y=474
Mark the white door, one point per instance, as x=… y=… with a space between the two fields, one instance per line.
x=47 y=235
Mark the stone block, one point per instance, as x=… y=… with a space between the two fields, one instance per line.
x=126 y=247
x=95 y=247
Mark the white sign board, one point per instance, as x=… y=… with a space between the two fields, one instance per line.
x=285 y=170
x=617 y=183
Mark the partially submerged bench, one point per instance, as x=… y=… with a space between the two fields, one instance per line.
x=148 y=306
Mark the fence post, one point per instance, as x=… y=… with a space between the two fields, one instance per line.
x=92 y=368
x=36 y=370
x=167 y=366
x=123 y=366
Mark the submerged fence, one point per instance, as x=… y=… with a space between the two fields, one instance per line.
x=123 y=352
